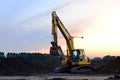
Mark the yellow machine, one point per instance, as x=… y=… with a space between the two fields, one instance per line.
x=75 y=59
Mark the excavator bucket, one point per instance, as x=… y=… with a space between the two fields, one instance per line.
x=56 y=51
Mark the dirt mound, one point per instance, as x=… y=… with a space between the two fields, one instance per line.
x=19 y=65
x=112 y=67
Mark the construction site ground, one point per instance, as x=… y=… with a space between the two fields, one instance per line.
x=20 y=68
x=57 y=77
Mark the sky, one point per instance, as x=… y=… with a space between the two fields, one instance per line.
x=25 y=25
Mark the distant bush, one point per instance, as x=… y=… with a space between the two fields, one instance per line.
x=97 y=59
x=118 y=57
x=108 y=57
x=2 y=56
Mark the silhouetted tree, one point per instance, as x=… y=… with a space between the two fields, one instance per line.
x=108 y=57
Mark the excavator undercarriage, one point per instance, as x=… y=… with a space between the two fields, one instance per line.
x=74 y=69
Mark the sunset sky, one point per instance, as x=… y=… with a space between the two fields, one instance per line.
x=25 y=25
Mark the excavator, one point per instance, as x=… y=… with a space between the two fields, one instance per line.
x=75 y=60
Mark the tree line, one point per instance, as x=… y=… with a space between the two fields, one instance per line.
x=41 y=55
x=25 y=55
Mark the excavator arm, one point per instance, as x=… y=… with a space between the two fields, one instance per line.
x=54 y=30
x=56 y=22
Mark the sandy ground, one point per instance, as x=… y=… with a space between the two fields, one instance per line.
x=48 y=77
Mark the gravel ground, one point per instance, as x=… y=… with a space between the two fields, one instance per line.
x=58 y=77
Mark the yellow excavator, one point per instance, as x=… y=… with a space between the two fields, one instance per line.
x=75 y=60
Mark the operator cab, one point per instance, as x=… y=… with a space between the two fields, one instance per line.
x=77 y=55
